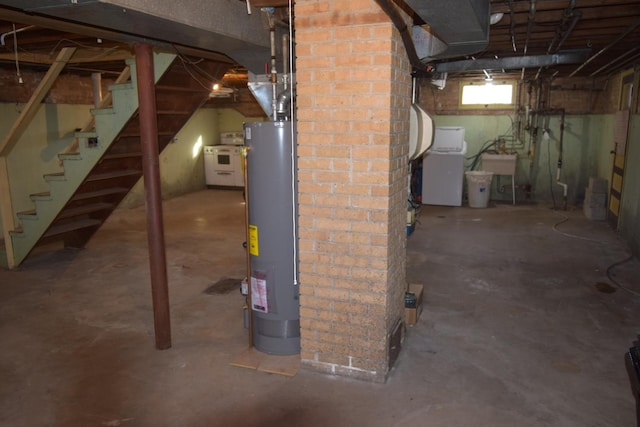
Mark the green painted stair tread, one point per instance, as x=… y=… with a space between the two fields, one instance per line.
x=100 y=193
x=113 y=174
x=58 y=176
x=56 y=230
x=120 y=86
x=102 y=111
x=85 y=209
x=88 y=134
x=18 y=231
x=69 y=156
x=44 y=195
x=29 y=215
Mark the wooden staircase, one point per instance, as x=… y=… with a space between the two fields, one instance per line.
x=108 y=161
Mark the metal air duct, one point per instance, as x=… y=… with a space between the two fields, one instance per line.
x=461 y=27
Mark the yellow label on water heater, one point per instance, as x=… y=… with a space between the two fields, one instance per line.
x=253 y=240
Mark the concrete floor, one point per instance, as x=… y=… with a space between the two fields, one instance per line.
x=513 y=333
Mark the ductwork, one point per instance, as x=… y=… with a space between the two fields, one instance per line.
x=216 y=25
x=456 y=28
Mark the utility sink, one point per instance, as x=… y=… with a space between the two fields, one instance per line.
x=499 y=164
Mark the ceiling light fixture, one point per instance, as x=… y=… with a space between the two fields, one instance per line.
x=495 y=18
x=219 y=91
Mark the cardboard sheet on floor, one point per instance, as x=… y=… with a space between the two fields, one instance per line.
x=263 y=362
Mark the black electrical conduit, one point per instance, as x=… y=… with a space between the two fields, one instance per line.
x=419 y=68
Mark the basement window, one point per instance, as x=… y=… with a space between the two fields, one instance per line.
x=486 y=95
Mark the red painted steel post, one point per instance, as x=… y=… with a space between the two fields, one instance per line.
x=153 y=195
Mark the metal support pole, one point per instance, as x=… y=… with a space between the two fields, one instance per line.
x=153 y=196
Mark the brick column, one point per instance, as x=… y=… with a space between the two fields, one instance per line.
x=353 y=97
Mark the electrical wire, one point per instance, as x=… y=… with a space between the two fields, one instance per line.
x=573 y=236
x=610 y=268
x=618 y=284
x=15 y=51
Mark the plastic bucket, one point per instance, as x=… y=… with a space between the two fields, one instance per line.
x=479 y=184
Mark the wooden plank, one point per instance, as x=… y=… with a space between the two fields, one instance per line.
x=281 y=365
x=81 y=56
x=31 y=108
x=6 y=211
x=263 y=362
x=250 y=358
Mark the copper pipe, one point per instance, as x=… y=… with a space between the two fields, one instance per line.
x=153 y=197
x=245 y=164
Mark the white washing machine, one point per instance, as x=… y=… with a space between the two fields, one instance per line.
x=443 y=167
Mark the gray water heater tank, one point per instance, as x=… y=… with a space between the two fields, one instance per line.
x=272 y=232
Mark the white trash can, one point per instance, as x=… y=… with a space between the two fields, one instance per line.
x=479 y=184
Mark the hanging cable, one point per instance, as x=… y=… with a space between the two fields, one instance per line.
x=15 y=51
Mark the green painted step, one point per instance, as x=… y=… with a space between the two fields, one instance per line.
x=70 y=156
x=45 y=195
x=58 y=176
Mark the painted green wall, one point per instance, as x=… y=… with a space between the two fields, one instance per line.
x=182 y=163
x=584 y=146
x=629 y=224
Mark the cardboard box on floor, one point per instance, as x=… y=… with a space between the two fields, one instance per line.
x=412 y=314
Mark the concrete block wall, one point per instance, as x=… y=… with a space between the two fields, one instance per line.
x=353 y=97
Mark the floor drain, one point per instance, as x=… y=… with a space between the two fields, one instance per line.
x=223 y=286
x=605 y=288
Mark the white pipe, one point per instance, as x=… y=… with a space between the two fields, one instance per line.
x=294 y=207
x=8 y=33
x=564 y=189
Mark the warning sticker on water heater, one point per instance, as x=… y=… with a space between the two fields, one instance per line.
x=259 y=300
x=253 y=240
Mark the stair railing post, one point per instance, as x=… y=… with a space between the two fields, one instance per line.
x=6 y=211
x=153 y=194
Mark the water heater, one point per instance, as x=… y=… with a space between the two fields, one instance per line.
x=271 y=198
